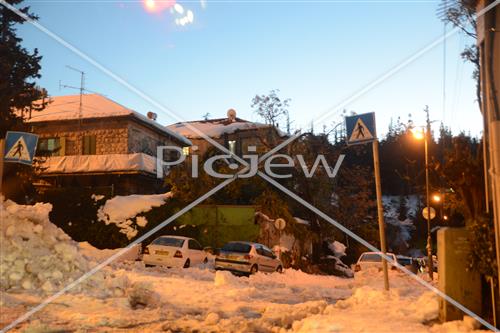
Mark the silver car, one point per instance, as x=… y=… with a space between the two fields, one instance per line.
x=247 y=258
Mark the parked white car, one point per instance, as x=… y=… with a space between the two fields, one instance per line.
x=174 y=251
x=247 y=258
x=374 y=259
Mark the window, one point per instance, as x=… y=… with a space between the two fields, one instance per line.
x=232 y=146
x=237 y=247
x=89 y=145
x=51 y=147
x=167 y=241
x=194 y=245
x=185 y=151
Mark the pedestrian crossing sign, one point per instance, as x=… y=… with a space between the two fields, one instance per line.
x=20 y=147
x=360 y=128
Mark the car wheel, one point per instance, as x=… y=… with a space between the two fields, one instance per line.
x=254 y=269
x=279 y=269
x=187 y=263
x=205 y=260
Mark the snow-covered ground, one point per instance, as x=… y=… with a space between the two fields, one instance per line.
x=126 y=296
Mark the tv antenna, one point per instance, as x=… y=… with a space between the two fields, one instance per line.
x=81 y=89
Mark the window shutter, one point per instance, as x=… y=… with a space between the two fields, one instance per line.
x=86 y=145
x=92 y=145
x=89 y=145
x=62 y=144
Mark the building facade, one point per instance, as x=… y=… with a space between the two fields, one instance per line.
x=234 y=133
x=96 y=142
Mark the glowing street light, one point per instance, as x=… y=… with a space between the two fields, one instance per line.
x=424 y=134
x=418 y=133
x=436 y=197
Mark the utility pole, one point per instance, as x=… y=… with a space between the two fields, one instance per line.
x=428 y=195
x=380 y=212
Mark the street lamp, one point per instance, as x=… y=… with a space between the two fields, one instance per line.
x=421 y=134
x=436 y=198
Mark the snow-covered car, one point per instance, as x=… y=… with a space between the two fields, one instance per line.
x=334 y=266
x=374 y=259
x=408 y=263
x=174 y=251
x=247 y=258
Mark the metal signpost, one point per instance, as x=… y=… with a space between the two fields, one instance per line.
x=361 y=129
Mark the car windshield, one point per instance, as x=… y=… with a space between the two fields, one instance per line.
x=404 y=261
x=237 y=247
x=168 y=241
x=371 y=257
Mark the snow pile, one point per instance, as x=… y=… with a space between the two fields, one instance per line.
x=120 y=210
x=337 y=248
x=142 y=295
x=408 y=306
x=97 y=255
x=224 y=278
x=35 y=254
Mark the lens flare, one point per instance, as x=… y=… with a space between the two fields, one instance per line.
x=150 y=5
x=155 y=6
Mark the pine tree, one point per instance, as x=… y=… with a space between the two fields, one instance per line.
x=18 y=70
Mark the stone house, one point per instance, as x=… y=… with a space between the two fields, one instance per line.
x=96 y=142
x=234 y=133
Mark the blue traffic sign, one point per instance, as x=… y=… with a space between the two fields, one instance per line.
x=20 y=147
x=360 y=128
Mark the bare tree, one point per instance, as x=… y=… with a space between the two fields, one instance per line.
x=270 y=107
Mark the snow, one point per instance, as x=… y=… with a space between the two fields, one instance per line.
x=97 y=197
x=120 y=210
x=406 y=227
x=337 y=248
x=126 y=296
x=93 y=106
x=99 y=255
x=302 y=221
x=36 y=255
x=216 y=128
x=137 y=162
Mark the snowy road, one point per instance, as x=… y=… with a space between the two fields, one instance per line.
x=38 y=259
x=200 y=300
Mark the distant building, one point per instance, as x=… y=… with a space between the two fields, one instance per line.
x=234 y=133
x=99 y=144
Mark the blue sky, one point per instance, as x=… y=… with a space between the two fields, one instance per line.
x=316 y=52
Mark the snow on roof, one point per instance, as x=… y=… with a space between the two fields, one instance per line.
x=93 y=106
x=215 y=128
x=137 y=162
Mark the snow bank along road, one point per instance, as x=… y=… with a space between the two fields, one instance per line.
x=37 y=259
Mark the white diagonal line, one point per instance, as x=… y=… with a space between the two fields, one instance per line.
x=374 y=249
x=120 y=80
x=106 y=262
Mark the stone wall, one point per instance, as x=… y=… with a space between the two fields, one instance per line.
x=111 y=135
x=115 y=136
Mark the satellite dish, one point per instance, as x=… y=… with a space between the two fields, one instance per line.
x=152 y=115
x=231 y=114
